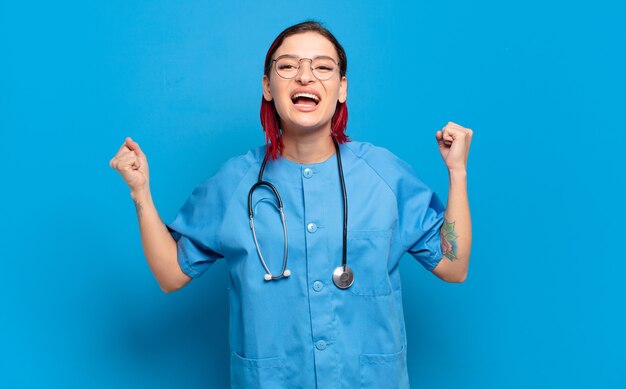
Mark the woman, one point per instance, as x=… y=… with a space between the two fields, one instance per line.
x=315 y=298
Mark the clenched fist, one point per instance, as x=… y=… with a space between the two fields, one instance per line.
x=454 y=144
x=132 y=164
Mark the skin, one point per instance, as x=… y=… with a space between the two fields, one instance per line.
x=456 y=232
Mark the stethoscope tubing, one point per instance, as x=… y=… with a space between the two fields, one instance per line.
x=343 y=276
x=344 y=254
x=284 y=271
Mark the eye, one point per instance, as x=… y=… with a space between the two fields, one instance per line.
x=286 y=64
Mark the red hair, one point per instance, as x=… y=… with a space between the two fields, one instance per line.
x=270 y=120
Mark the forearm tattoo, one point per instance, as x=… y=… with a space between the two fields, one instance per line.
x=448 y=240
x=139 y=209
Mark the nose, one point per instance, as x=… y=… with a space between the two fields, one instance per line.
x=305 y=73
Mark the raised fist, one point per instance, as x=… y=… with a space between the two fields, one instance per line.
x=132 y=164
x=454 y=143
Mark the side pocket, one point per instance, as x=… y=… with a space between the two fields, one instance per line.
x=384 y=371
x=256 y=373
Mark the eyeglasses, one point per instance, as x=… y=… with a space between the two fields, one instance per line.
x=323 y=68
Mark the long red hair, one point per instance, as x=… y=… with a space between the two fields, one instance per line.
x=270 y=120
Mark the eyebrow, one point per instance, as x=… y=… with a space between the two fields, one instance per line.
x=316 y=57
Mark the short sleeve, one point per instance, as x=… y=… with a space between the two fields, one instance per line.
x=196 y=229
x=424 y=217
x=420 y=216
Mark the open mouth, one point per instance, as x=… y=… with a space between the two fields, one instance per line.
x=305 y=99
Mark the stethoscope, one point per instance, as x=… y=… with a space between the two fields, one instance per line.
x=343 y=277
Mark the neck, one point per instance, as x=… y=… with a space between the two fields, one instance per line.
x=307 y=148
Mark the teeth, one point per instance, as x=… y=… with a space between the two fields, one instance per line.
x=309 y=95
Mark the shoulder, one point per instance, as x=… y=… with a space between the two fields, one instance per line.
x=398 y=175
x=240 y=164
x=234 y=171
x=381 y=160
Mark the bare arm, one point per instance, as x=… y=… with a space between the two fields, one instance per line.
x=158 y=245
x=456 y=232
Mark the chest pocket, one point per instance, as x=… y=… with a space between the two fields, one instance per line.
x=368 y=252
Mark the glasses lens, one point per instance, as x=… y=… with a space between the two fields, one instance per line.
x=287 y=67
x=323 y=68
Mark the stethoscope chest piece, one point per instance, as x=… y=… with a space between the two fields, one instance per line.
x=343 y=277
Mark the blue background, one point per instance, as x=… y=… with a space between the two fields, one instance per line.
x=541 y=84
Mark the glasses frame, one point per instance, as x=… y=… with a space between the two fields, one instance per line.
x=275 y=60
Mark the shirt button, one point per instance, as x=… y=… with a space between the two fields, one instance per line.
x=318 y=285
x=311 y=227
x=320 y=345
x=307 y=173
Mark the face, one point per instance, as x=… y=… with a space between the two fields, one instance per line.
x=303 y=114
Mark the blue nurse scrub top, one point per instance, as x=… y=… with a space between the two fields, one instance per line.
x=302 y=331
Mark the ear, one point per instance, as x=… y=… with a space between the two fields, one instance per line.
x=267 y=93
x=343 y=89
